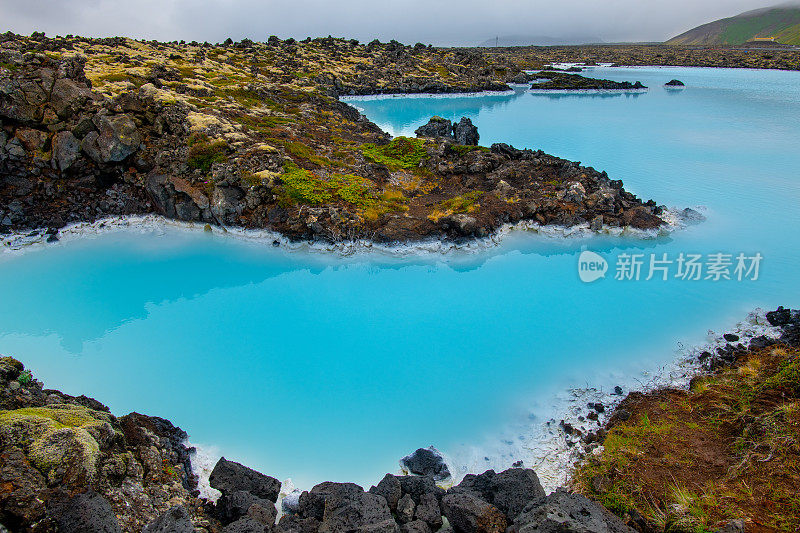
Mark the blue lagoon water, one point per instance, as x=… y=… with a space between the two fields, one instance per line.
x=316 y=366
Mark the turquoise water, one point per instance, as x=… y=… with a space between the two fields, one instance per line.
x=315 y=366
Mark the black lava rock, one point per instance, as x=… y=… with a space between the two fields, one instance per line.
x=565 y=511
x=230 y=477
x=465 y=132
x=176 y=520
x=437 y=127
x=85 y=512
x=426 y=462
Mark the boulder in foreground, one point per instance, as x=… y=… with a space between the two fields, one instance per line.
x=426 y=462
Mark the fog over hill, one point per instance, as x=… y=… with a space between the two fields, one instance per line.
x=444 y=22
x=779 y=23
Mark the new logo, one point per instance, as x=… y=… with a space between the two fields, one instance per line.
x=591 y=266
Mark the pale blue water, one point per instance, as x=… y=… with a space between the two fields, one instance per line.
x=318 y=366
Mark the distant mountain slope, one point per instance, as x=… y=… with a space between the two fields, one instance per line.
x=780 y=22
x=539 y=40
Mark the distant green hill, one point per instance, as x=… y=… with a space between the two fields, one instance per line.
x=780 y=22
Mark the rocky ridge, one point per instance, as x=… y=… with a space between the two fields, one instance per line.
x=223 y=135
x=746 y=56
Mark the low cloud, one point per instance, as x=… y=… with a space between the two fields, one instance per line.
x=440 y=22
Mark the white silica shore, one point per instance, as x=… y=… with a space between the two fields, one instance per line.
x=546 y=448
x=551 y=453
x=389 y=96
x=16 y=243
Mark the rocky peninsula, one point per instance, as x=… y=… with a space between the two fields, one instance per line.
x=252 y=135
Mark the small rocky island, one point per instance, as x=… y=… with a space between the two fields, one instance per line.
x=224 y=135
x=563 y=81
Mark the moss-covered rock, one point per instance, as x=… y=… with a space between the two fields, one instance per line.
x=62 y=441
x=10 y=368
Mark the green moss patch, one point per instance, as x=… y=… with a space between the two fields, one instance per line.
x=401 y=153
x=204 y=152
x=304 y=187
x=786 y=379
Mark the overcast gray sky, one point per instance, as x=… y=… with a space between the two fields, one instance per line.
x=460 y=22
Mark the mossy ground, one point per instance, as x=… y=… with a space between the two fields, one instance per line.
x=727 y=449
x=401 y=153
x=300 y=186
x=239 y=96
x=464 y=203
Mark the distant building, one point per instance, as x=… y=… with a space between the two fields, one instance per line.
x=764 y=39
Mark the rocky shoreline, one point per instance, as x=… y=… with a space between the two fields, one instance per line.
x=68 y=464
x=733 y=423
x=219 y=135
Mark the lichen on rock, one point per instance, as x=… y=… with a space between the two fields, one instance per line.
x=60 y=439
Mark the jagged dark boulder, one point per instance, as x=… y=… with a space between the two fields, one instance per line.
x=66 y=149
x=465 y=133
x=230 y=477
x=232 y=506
x=312 y=503
x=415 y=526
x=468 y=513
x=566 y=512
x=176 y=520
x=346 y=507
x=429 y=511
x=388 y=487
x=435 y=128
x=510 y=490
x=405 y=509
x=115 y=139
x=246 y=525
x=780 y=317
x=85 y=513
x=416 y=486
x=426 y=462
x=762 y=341
x=295 y=524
